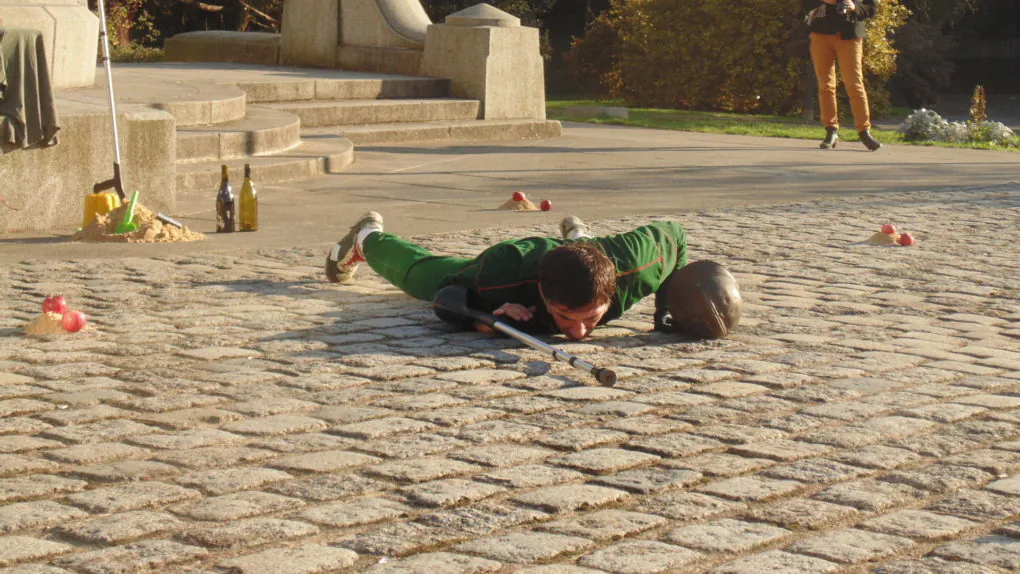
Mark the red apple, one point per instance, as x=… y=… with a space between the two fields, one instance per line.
x=546 y=205
x=73 y=321
x=888 y=229
x=519 y=196
x=55 y=304
x=906 y=239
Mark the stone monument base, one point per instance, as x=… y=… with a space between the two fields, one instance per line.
x=45 y=188
x=220 y=46
x=70 y=33
x=380 y=60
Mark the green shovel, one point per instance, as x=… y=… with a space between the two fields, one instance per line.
x=127 y=225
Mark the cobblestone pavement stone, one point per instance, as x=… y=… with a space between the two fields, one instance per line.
x=235 y=413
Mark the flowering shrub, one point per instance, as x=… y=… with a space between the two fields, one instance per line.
x=922 y=125
x=926 y=125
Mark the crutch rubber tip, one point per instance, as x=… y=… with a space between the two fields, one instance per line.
x=607 y=378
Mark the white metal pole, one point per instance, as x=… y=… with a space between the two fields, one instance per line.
x=109 y=78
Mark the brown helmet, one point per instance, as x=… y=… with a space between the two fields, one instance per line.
x=703 y=300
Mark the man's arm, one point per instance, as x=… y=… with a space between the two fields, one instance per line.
x=503 y=281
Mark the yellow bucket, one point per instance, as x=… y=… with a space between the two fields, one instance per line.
x=96 y=203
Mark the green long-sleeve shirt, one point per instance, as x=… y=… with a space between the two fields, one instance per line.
x=508 y=272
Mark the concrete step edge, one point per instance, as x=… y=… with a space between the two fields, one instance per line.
x=396 y=87
x=262 y=131
x=322 y=156
x=470 y=130
x=363 y=112
x=204 y=112
x=368 y=103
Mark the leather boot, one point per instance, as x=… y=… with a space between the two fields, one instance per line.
x=868 y=141
x=831 y=137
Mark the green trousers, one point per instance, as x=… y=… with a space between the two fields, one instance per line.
x=410 y=268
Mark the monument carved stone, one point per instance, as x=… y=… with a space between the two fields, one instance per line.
x=367 y=35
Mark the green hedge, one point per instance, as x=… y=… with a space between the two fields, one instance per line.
x=717 y=54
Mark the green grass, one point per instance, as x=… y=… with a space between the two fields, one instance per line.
x=135 y=53
x=733 y=123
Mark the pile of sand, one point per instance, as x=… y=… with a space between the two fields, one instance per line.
x=150 y=229
x=46 y=324
x=523 y=205
x=880 y=238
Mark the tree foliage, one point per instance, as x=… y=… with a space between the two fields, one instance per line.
x=149 y=22
x=716 y=54
x=940 y=12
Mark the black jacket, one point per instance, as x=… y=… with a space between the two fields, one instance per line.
x=848 y=26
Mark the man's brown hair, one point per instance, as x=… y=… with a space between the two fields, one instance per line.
x=576 y=275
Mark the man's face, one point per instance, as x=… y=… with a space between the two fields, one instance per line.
x=577 y=323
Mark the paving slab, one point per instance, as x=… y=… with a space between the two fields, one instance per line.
x=591 y=171
x=231 y=411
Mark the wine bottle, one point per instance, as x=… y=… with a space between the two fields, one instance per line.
x=225 y=211
x=249 y=213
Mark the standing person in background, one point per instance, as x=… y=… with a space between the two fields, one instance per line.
x=837 y=33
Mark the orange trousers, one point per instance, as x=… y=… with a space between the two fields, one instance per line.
x=826 y=49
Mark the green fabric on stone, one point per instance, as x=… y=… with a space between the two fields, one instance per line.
x=508 y=272
x=3 y=67
x=28 y=116
x=410 y=268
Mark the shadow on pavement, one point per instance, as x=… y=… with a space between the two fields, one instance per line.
x=485 y=149
x=361 y=329
x=34 y=240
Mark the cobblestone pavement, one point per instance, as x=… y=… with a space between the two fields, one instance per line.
x=237 y=414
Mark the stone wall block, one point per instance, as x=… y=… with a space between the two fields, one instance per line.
x=489 y=56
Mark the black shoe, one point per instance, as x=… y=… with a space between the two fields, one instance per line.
x=831 y=137
x=868 y=141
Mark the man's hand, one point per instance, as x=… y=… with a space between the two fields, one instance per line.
x=514 y=311
x=850 y=6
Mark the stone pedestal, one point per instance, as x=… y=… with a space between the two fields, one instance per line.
x=71 y=34
x=262 y=48
x=310 y=33
x=489 y=56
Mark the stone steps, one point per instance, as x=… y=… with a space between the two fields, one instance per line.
x=310 y=159
x=369 y=88
x=361 y=112
x=464 y=130
x=263 y=131
x=224 y=104
x=294 y=129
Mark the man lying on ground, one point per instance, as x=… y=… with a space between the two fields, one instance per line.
x=542 y=284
